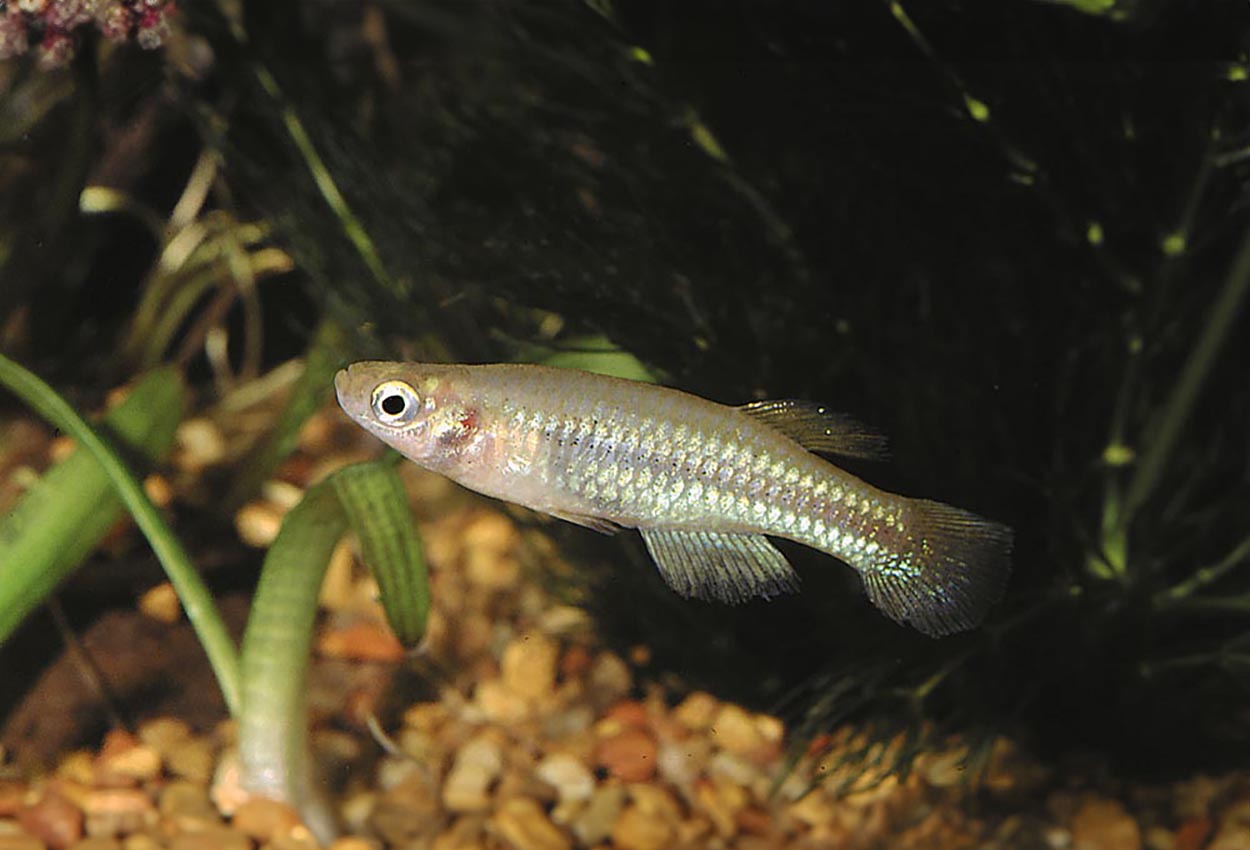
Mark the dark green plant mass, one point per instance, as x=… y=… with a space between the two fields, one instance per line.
x=1012 y=234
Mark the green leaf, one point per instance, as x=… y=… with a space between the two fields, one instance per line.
x=63 y=517
x=368 y=499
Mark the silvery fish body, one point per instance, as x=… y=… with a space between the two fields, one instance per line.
x=704 y=483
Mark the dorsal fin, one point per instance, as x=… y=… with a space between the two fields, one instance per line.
x=818 y=429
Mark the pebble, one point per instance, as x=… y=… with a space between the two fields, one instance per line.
x=697 y=711
x=123 y=756
x=164 y=733
x=187 y=806
x=682 y=762
x=1231 y=837
x=355 y=843
x=636 y=829
x=499 y=703
x=529 y=666
x=629 y=755
x=21 y=842
x=96 y=844
x=477 y=766
x=257 y=524
x=117 y=811
x=200 y=444
x=11 y=796
x=407 y=814
x=571 y=779
x=595 y=822
x=264 y=819
x=609 y=678
x=1105 y=825
x=361 y=640
x=522 y=823
x=721 y=800
x=213 y=838
x=54 y=820
x=161 y=603
x=192 y=759
x=16 y=841
x=736 y=731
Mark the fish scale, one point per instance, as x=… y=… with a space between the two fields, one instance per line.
x=705 y=484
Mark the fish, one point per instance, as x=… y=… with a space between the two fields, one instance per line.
x=705 y=484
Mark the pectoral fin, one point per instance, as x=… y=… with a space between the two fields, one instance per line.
x=728 y=568
x=818 y=429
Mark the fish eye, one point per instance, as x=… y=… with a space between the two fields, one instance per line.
x=395 y=403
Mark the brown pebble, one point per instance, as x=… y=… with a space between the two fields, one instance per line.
x=636 y=829
x=696 y=711
x=1192 y=834
x=21 y=842
x=116 y=811
x=263 y=819
x=353 y=842
x=528 y=666
x=610 y=678
x=721 y=801
x=257 y=524
x=571 y=779
x=187 y=806
x=123 y=756
x=735 y=730
x=595 y=822
x=164 y=733
x=524 y=825
x=54 y=820
x=499 y=703
x=192 y=759
x=629 y=755
x=12 y=795
x=628 y=713
x=361 y=641
x=1105 y=825
x=475 y=770
x=161 y=603
x=158 y=490
x=200 y=444
x=1232 y=836
x=213 y=838
x=97 y=844
x=574 y=663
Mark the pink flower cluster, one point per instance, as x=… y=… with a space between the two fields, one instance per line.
x=49 y=25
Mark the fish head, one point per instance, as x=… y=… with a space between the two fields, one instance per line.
x=415 y=408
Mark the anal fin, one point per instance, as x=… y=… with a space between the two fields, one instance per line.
x=818 y=429
x=719 y=566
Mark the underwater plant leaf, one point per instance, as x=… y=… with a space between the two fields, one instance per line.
x=273 y=729
x=62 y=518
x=273 y=714
x=377 y=508
x=310 y=392
x=196 y=601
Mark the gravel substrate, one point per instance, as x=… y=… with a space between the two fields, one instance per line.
x=536 y=737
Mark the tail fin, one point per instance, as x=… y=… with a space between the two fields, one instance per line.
x=955 y=572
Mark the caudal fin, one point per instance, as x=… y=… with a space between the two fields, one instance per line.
x=955 y=571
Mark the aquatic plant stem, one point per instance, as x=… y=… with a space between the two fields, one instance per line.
x=192 y=593
x=1181 y=401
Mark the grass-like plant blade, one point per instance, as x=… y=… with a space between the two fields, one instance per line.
x=192 y=593
x=310 y=393
x=273 y=734
x=273 y=720
x=63 y=517
x=377 y=509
